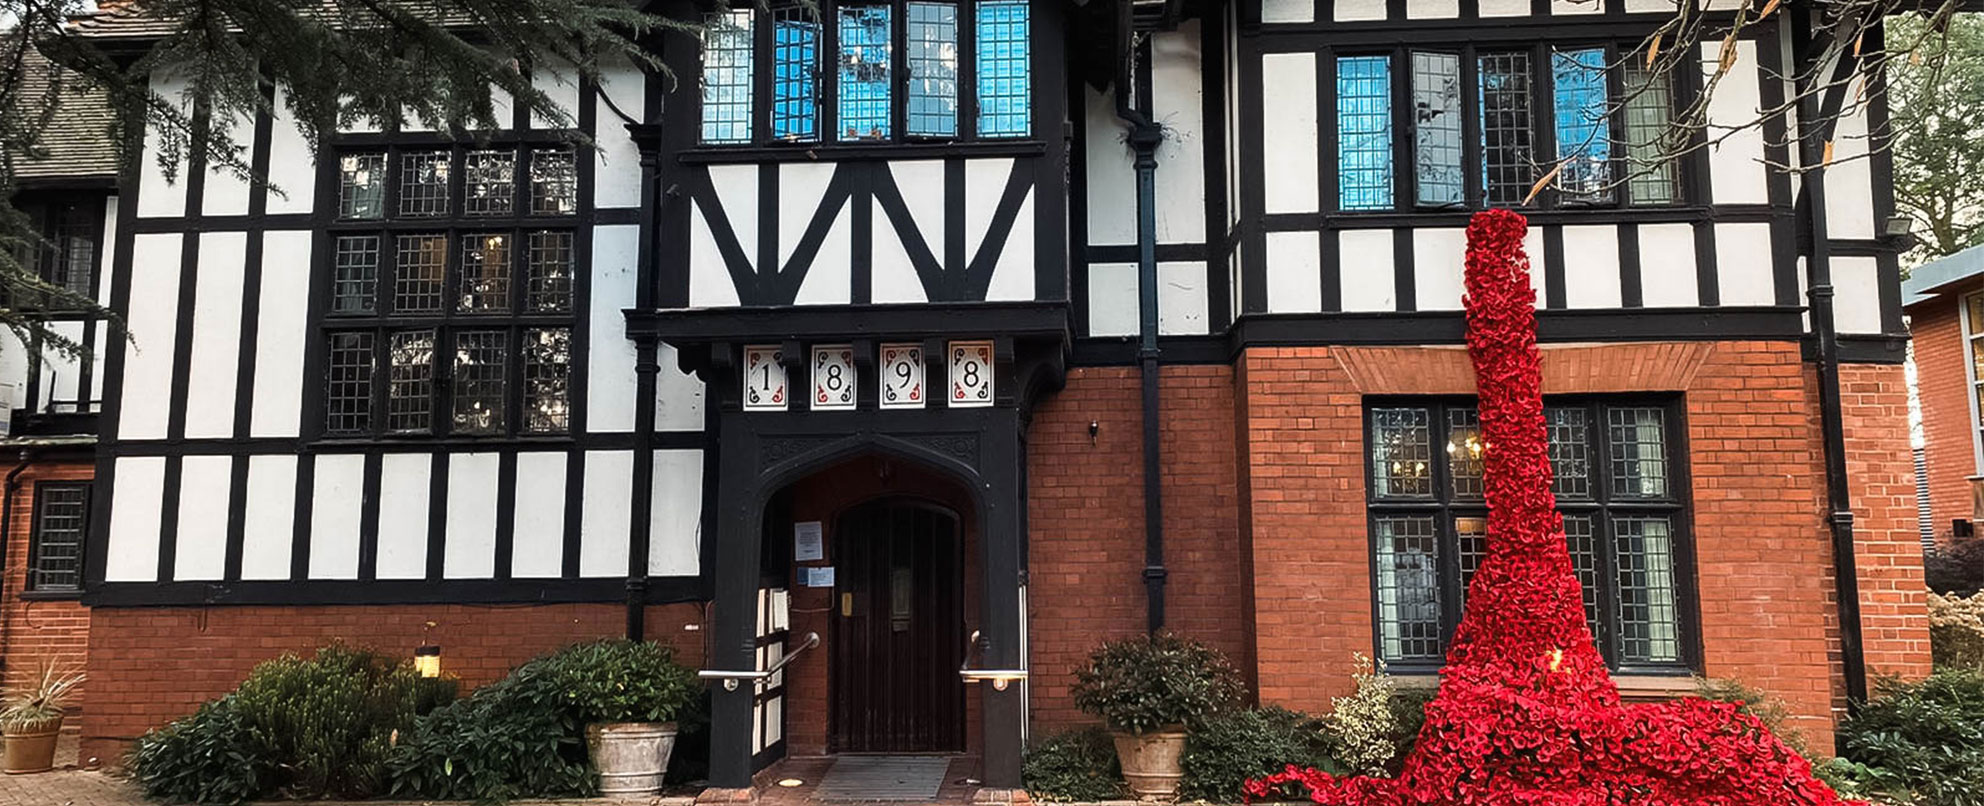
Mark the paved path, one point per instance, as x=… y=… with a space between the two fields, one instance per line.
x=82 y=788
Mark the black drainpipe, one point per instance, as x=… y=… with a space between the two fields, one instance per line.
x=1144 y=137
x=6 y=534
x=1813 y=131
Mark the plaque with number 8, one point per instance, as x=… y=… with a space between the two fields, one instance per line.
x=833 y=377
x=902 y=376
x=971 y=373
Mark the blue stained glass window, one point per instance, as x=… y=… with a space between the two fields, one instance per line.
x=932 y=60
x=1584 y=140
x=864 y=72
x=1436 y=160
x=727 y=77
x=796 y=75
x=1005 y=103
x=1364 y=132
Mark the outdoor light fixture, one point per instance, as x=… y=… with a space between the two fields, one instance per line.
x=427 y=661
x=790 y=782
x=1900 y=232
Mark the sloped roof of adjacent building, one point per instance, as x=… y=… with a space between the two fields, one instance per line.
x=76 y=143
x=1935 y=276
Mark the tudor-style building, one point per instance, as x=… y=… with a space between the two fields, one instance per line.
x=965 y=334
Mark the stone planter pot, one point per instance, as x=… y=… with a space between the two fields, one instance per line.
x=630 y=756
x=31 y=748
x=1152 y=762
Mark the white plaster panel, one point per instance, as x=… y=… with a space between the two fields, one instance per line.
x=1112 y=299
x=830 y=280
x=1743 y=264
x=537 y=545
x=216 y=345
x=1432 y=9
x=1437 y=259
x=1012 y=276
x=1667 y=266
x=1294 y=272
x=152 y=320
x=1287 y=11
x=1367 y=275
x=921 y=183
x=710 y=285
x=736 y=189
x=984 y=183
x=603 y=526
x=137 y=500
x=403 y=491
x=269 y=517
x=1178 y=101
x=292 y=163
x=1504 y=8
x=1850 y=180
x=470 y=551
x=1112 y=179
x=1736 y=169
x=678 y=395
x=675 y=523
x=281 y=331
x=616 y=175
x=801 y=186
x=1182 y=301
x=1652 y=6
x=1288 y=120
x=1358 y=10
x=892 y=277
x=226 y=189
x=158 y=197
x=1532 y=246
x=335 y=515
x=13 y=370
x=1857 y=282
x=1564 y=8
x=1591 y=266
x=199 y=552
x=558 y=80
x=610 y=384
x=59 y=372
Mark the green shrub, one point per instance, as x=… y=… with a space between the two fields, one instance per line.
x=1228 y=749
x=524 y=735
x=296 y=728
x=1079 y=765
x=1926 y=738
x=1155 y=681
x=1362 y=729
x=1408 y=707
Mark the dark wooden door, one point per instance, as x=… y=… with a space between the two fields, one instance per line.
x=898 y=630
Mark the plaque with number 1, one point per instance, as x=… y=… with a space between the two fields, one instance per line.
x=902 y=376
x=764 y=379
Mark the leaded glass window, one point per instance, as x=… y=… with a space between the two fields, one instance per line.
x=932 y=38
x=1507 y=160
x=489 y=182
x=1584 y=136
x=1623 y=530
x=864 y=72
x=424 y=183
x=55 y=544
x=1364 y=132
x=796 y=75
x=362 y=185
x=1437 y=130
x=727 y=76
x=1005 y=71
x=1650 y=137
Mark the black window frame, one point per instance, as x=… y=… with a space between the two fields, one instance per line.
x=827 y=81
x=1444 y=506
x=1543 y=127
x=453 y=225
x=34 y=582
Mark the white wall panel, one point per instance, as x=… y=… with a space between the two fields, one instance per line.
x=14 y=369
x=617 y=164
x=1744 y=265
x=292 y=165
x=537 y=545
x=1358 y=10
x=558 y=80
x=1850 y=180
x=1736 y=170
x=1179 y=102
x=1532 y=246
x=101 y=359
x=59 y=373
x=1182 y=301
x=470 y=552
x=1288 y=120
x=736 y=189
x=678 y=395
x=604 y=523
x=710 y=285
x=1112 y=179
x=610 y=383
x=1294 y=266
x=1667 y=266
x=1438 y=256
x=1857 y=281
x=226 y=190
x=892 y=277
x=281 y=331
x=801 y=186
x=921 y=183
x=158 y=198
x=1012 y=276
x=675 y=523
x=404 y=486
x=830 y=280
x=136 y=501
x=215 y=365
x=1432 y=9
x=1651 y=6
x=1504 y=8
x=199 y=551
x=335 y=515
x=1366 y=274
x=1273 y=11
x=984 y=183
x=1591 y=266
x=1112 y=299
x=269 y=519
x=1576 y=7
x=152 y=319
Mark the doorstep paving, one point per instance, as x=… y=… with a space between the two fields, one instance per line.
x=72 y=787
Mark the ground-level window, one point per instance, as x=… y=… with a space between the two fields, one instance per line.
x=1617 y=484
x=55 y=541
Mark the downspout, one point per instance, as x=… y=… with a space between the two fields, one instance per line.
x=1812 y=136
x=646 y=369
x=7 y=534
x=1144 y=138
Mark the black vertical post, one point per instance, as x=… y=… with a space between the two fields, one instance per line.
x=734 y=624
x=1145 y=138
x=646 y=369
x=999 y=548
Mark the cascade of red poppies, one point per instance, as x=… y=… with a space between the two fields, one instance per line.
x=1526 y=711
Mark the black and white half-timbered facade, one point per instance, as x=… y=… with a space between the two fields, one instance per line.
x=968 y=333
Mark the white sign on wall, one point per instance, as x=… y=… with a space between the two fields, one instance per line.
x=833 y=377
x=902 y=376
x=765 y=387
x=971 y=373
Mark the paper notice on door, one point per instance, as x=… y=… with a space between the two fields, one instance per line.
x=820 y=577
x=808 y=542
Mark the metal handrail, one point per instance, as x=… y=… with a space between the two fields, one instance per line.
x=1001 y=678
x=730 y=677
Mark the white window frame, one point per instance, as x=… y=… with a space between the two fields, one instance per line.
x=1973 y=333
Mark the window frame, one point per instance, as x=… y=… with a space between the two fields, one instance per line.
x=1542 y=127
x=32 y=584
x=826 y=78
x=453 y=225
x=1444 y=506
x=1973 y=341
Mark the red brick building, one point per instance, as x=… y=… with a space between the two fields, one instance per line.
x=1945 y=315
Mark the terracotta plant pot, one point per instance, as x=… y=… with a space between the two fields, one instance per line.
x=630 y=756
x=1152 y=762
x=31 y=748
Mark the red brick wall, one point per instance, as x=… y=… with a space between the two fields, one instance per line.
x=1893 y=599
x=1086 y=524
x=37 y=631
x=149 y=666
x=1947 y=430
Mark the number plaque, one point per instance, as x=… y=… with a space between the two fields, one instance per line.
x=971 y=373
x=833 y=377
x=764 y=379
x=902 y=376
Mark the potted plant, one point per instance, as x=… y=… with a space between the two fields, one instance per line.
x=628 y=694
x=32 y=719
x=1150 y=690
